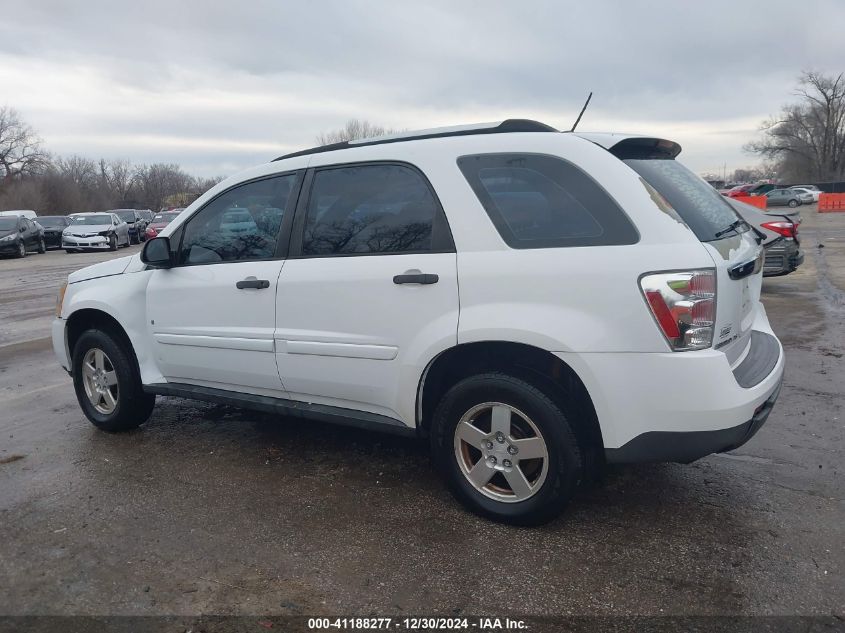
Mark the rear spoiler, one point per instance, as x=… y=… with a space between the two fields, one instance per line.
x=632 y=146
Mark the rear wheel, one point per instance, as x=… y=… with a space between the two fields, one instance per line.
x=107 y=383
x=793 y=203
x=505 y=449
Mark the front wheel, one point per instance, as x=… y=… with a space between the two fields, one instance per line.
x=42 y=246
x=112 y=242
x=21 y=250
x=107 y=383
x=506 y=449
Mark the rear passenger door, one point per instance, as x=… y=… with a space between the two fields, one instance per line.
x=369 y=291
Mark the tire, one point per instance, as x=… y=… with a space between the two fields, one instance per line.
x=551 y=480
x=129 y=406
x=69 y=251
x=42 y=247
x=135 y=240
x=792 y=203
x=21 y=250
x=112 y=242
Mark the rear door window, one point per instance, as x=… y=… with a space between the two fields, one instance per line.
x=540 y=201
x=700 y=206
x=372 y=209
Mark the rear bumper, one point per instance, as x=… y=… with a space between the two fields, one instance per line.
x=680 y=406
x=782 y=257
x=686 y=447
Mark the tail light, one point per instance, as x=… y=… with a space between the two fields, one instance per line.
x=684 y=305
x=784 y=227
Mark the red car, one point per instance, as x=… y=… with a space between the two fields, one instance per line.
x=160 y=221
x=739 y=190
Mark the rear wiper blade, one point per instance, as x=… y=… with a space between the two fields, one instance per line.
x=733 y=226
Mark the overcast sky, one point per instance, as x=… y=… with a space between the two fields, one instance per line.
x=218 y=87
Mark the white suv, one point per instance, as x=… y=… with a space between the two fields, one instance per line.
x=533 y=302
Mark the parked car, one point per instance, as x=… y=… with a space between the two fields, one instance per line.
x=136 y=224
x=53 y=227
x=779 y=235
x=160 y=220
x=26 y=213
x=807 y=195
x=95 y=231
x=804 y=196
x=532 y=302
x=739 y=190
x=19 y=235
x=783 y=198
x=761 y=189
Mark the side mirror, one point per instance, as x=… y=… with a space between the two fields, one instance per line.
x=156 y=253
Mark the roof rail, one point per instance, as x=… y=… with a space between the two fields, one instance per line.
x=498 y=127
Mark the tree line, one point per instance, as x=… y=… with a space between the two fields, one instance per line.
x=806 y=141
x=31 y=178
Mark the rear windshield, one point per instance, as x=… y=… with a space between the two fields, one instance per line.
x=128 y=216
x=703 y=208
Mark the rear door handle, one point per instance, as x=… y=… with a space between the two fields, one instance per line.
x=252 y=282
x=416 y=278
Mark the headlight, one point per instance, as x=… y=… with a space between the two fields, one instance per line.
x=60 y=299
x=104 y=233
x=8 y=238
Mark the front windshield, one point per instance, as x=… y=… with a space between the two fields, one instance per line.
x=52 y=220
x=7 y=223
x=91 y=220
x=126 y=216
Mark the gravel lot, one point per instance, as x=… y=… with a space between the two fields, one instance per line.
x=212 y=510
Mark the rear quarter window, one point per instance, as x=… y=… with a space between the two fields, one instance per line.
x=541 y=201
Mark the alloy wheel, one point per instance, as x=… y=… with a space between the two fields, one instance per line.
x=501 y=452
x=100 y=381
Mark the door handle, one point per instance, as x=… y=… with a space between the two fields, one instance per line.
x=416 y=278
x=252 y=282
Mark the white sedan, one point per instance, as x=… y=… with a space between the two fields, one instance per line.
x=95 y=231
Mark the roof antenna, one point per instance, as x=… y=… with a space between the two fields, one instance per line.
x=578 y=120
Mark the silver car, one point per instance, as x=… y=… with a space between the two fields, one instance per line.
x=95 y=231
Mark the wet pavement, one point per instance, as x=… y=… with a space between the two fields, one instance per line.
x=209 y=509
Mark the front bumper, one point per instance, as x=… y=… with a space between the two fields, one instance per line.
x=9 y=248
x=97 y=242
x=680 y=406
x=59 y=335
x=52 y=239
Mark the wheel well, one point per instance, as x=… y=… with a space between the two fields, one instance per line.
x=542 y=368
x=91 y=319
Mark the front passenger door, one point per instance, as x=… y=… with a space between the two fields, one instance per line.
x=212 y=316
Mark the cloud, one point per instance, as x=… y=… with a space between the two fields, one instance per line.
x=221 y=86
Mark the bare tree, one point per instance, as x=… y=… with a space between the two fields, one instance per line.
x=20 y=146
x=116 y=179
x=808 y=139
x=353 y=130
